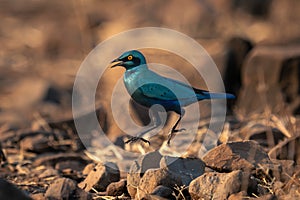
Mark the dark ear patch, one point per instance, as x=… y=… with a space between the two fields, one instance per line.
x=136 y=61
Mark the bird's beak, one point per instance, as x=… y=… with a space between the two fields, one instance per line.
x=116 y=63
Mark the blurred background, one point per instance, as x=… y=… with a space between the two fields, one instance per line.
x=255 y=44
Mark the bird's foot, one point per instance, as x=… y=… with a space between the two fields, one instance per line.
x=135 y=139
x=172 y=133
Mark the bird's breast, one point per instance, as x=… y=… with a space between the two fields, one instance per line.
x=130 y=80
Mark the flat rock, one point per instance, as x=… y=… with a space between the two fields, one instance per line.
x=187 y=168
x=101 y=176
x=236 y=155
x=214 y=185
x=138 y=168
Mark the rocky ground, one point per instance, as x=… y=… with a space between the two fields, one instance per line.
x=256 y=47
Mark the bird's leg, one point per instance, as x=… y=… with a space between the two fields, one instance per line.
x=174 y=130
x=156 y=123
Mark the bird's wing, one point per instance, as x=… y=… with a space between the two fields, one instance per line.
x=156 y=86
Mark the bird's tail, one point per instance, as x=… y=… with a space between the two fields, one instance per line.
x=211 y=95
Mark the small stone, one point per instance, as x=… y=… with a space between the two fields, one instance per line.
x=100 y=177
x=214 y=185
x=48 y=173
x=246 y=156
x=88 y=168
x=62 y=188
x=187 y=168
x=138 y=168
x=117 y=188
x=155 y=177
x=82 y=195
x=163 y=191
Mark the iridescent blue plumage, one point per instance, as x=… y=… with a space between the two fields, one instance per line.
x=148 y=88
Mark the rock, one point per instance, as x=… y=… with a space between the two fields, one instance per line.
x=148 y=161
x=163 y=191
x=277 y=83
x=38 y=196
x=82 y=195
x=155 y=177
x=187 y=168
x=236 y=155
x=49 y=173
x=153 y=170
x=65 y=188
x=62 y=188
x=214 y=185
x=11 y=192
x=88 y=168
x=100 y=177
x=117 y=188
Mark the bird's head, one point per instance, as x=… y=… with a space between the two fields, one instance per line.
x=129 y=60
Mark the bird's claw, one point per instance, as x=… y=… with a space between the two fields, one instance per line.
x=178 y=130
x=171 y=134
x=135 y=139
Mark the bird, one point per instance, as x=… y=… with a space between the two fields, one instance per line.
x=148 y=88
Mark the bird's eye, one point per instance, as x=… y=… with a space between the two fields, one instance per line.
x=129 y=57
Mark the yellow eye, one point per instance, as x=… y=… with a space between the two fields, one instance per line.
x=129 y=57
